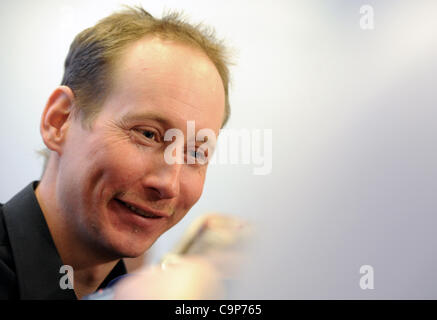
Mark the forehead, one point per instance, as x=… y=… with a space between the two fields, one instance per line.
x=176 y=81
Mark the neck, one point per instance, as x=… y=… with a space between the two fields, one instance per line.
x=87 y=280
x=90 y=266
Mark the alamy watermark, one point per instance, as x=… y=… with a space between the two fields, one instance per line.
x=367 y=280
x=67 y=280
x=236 y=146
x=367 y=20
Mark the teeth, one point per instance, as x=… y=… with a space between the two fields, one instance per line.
x=140 y=212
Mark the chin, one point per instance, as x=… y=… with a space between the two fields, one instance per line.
x=130 y=248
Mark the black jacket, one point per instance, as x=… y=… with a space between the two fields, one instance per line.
x=29 y=262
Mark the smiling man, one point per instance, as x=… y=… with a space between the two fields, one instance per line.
x=107 y=191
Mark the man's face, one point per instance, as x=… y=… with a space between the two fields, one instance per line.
x=119 y=162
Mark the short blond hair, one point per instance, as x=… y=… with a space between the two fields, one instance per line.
x=94 y=53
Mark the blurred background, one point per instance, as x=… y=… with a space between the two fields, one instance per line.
x=352 y=113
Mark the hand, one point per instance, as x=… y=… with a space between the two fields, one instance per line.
x=182 y=278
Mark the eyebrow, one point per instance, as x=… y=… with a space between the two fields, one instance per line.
x=132 y=116
x=140 y=116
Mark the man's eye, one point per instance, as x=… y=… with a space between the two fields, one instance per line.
x=198 y=155
x=149 y=134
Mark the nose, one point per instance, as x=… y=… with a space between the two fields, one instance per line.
x=164 y=181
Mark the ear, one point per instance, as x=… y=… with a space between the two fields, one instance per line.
x=55 y=118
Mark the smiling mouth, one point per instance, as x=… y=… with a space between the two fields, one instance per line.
x=138 y=211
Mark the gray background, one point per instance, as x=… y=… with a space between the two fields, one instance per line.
x=353 y=117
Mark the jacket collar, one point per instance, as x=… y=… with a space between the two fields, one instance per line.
x=36 y=259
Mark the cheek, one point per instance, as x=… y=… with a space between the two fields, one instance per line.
x=190 y=192
x=192 y=188
x=121 y=165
